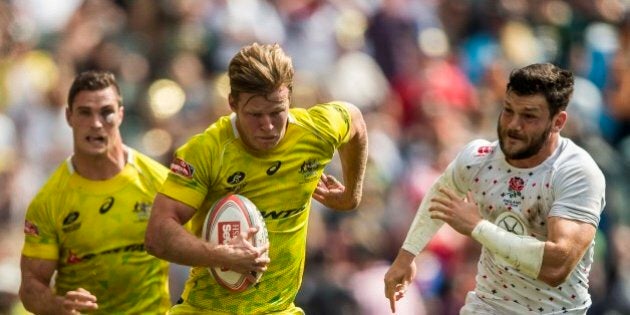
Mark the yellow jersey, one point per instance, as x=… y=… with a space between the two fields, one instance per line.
x=95 y=231
x=279 y=182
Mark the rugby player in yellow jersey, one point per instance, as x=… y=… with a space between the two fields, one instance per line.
x=274 y=155
x=88 y=222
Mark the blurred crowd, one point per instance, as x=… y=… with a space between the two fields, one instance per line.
x=429 y=76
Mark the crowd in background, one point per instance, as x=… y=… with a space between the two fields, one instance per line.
x=429 y=75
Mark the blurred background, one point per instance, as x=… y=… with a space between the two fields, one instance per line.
x=429 y=75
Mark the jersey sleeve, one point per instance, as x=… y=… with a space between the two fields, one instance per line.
x=41 y=240
x=466 y=164
x=456 y=176
x=332 y=121
x=190 y=172
x=579 y=191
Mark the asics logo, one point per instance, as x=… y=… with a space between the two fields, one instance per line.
x=71 y=217
x=109 y=202
x=274 y=168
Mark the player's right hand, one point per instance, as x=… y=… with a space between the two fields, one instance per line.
x=79 y=300
x=398 y=277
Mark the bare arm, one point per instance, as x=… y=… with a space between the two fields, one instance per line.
x=166 y=238
x=353 y=156
x=37 y=296
x=567 y=243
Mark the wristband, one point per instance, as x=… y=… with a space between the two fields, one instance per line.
x=525 y=253
x=422 y=227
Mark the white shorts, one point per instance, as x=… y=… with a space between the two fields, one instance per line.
x=476 y=306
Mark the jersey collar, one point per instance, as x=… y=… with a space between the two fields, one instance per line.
x=125 y=148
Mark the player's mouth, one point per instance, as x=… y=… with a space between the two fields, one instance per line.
x=98 y=140
x=267 y=139
x=514 y=137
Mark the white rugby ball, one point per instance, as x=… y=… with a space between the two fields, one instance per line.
x=227 y=219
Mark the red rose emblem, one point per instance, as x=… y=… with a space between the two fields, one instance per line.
x=517 y=184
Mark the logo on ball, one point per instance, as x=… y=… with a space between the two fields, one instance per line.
x=228 y=231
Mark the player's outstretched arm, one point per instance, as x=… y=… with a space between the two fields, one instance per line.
x=353 y=156
x=403 y=270
x=399 y=275
x=38 y=298
x=166 y=238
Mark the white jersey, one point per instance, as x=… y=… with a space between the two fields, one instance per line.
x=568 y=185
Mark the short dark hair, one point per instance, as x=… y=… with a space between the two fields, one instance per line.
x=93 y=80
x=554 y=83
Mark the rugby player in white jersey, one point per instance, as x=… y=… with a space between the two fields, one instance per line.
x=532 y=199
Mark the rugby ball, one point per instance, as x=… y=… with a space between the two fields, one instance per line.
x=227 y=219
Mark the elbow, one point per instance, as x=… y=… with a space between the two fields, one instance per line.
x=348 y=206
x=25 y=297
x=152 y=244
x=353 y=204
x=554 y=282
x=558 y=266
x=555 y=277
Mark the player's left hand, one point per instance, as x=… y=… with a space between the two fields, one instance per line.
x=243 y=257
x=331 y=193
x=76 y=301
x=462 y=214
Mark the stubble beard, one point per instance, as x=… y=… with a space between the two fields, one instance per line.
x=534 y=146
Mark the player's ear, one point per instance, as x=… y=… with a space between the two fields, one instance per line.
x=559 y=121
x=232 y=101
x=121 y=112
x=68 y=114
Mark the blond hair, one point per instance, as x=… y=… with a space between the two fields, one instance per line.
x=260 y=69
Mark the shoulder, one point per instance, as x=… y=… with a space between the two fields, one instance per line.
x=148 y=164
x=574 y=161
x=58 y=180
x=333 y=108
x=569 y=152
x=54 y=187
x=470 y=160
x=328 y=121
x=221 y=131
x=324 y=116
x=478 y=151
